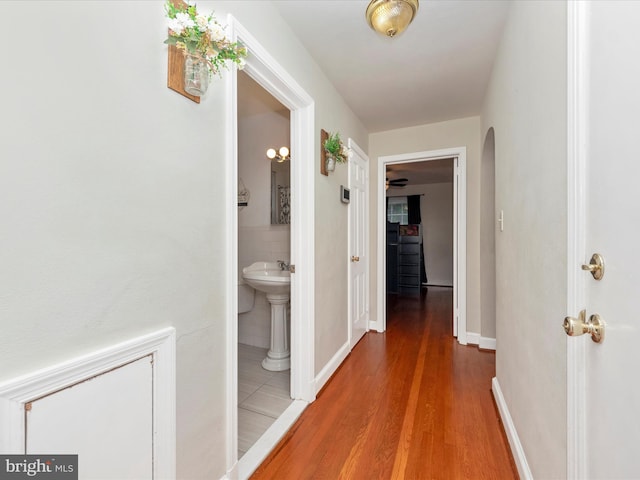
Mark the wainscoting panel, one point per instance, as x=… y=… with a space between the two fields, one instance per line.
x=106 y=421
x=114 y=408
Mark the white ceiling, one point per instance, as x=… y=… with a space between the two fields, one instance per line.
x=437 y=70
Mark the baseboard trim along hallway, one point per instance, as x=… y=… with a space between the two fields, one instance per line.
x=512 y=434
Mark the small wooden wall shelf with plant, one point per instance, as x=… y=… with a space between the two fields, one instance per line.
x=332 y=151
x=198 y=49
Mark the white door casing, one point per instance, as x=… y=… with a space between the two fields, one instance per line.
x=358 y=244
x=459 y=154
x=271 y=76
x=603 y=421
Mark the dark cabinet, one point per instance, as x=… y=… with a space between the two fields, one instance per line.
x=404 y=254
x=409 y=263
x=393 y=235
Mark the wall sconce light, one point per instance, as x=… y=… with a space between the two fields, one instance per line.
x=391 y=17
x=279 y=156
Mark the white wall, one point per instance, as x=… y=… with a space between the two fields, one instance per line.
x=436 y=211
x=437 y=215
x=256 y=134
x=526 y=104
x=464 y=132
x=113 y=200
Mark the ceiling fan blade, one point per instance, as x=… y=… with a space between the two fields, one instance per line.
x=398 y=181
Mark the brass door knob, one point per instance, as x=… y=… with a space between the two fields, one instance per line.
x=575 y=327
x=354 y=258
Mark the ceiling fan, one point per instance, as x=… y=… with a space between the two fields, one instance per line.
x=397 y=182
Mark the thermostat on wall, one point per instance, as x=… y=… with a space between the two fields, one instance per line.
x=344 y=194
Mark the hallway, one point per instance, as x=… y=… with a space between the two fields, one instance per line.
x=410 y=403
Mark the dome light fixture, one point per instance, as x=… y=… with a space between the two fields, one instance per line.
x=391 y=17
x=280 y=156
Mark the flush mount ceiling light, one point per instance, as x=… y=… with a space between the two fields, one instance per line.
x=391 y=17
x=280 y=156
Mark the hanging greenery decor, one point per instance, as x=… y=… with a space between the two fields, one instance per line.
x=202 y=36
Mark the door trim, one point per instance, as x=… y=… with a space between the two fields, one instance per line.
x=354 y=146
x=459 y=235
x=267 y=72
x=577 y=124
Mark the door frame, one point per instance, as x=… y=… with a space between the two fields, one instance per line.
x=577 y=124
x=269 y=74
x=459 y=234
x=354 y=146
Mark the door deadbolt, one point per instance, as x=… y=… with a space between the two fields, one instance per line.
x=595 y=266
x=575 y=327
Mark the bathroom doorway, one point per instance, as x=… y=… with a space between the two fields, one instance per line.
x=264 y=236
x=273 y=78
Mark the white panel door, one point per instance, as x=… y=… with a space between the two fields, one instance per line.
x=107 y=421
x=609 y=421
x=358 y=245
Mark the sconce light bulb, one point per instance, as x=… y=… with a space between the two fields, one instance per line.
x=284 y=152
x=271 y=153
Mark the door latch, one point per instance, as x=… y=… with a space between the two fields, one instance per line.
x=595 y=266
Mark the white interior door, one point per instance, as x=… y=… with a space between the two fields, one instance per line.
x=608 y=80
x=358 y=245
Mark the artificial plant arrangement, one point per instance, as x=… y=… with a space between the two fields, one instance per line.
x=334 y=147
x=202 y=36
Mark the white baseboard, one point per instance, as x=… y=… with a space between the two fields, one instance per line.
x=330 y=368
x=483 y=342
x=375 y=326
x=473 y=338
x=512 y=435
x=487 y=343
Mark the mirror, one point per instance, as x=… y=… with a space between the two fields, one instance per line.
x=280 y=193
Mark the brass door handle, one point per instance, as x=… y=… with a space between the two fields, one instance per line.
x=575 y=327
x=354 y=258
x=595 y=266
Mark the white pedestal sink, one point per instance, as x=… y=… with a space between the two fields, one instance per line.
x=270 y=278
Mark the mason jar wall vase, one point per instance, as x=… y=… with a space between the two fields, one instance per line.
x=331 y=163
x=196 y=75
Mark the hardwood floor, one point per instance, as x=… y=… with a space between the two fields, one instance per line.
x=410 y=403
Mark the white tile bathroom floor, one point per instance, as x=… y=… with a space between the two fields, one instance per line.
x=262 y=396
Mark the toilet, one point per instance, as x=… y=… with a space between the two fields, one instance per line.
x=246 y=297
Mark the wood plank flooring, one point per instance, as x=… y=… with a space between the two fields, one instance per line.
x=410 y=403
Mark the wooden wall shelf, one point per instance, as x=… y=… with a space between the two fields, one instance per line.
x=175 y=68
x=323 y=158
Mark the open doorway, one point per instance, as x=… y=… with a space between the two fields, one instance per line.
x=264 y=237
x=419 y=243
x=455 y=160
x=270 y=75
x=488 y=243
